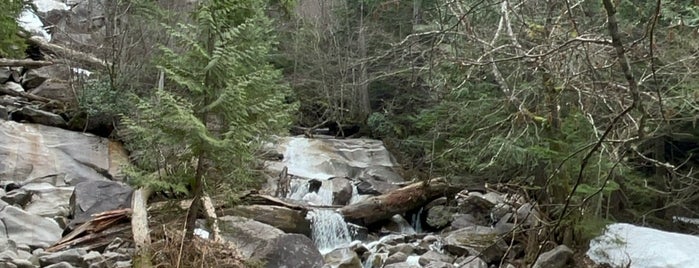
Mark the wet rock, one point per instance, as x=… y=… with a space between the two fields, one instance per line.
x=23 y=263
x=472 y=262
x=357 y=232
x=528 y=215
x=94 y=259
x=27 y=229
x=442 y=201
x=286 y=219
x=376 y=259
x=342 y=258
x=5 y=74
x=477 y=207
x=32 y=115
x=434 y=256
x=399 y=225
x=70 y=256
x=342 y=190
x=259 y=241
x=4 y=113
x=555 y=258
x=439 y=216
x=401 y=265
x=396 y=258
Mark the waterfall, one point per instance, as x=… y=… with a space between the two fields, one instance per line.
x=328 y=228
x=417 y=221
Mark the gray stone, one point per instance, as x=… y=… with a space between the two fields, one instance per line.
x=396 y=258
x=342 y=190
x=23 y=263
x=434 y=256
x=477 y=207
x=4 y=113
x=48 y=200
x=357 y=232
x=7 y=265
x=60 y=265
x=95 y=196
x=342 y=258
x=463 y=220
x=18 y=197
x=36 y=77
x=481 y=239
x=528 y=215
x=59 y=90
x=439 y=264
x=122 y=264
x=401 y=265
x=37 y=116
x=5 y=74
x=70 y=256
x=376 y=259
x=259 y=241
x=114 y=257
x=439 y=216
x=28 y=229
x=94 y=259
x=12 y=86
x=472 y=262
x=286 y=219
x=555 y=258
x=405 y=248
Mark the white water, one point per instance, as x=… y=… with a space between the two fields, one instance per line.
x=417 y=221
x=328 y=228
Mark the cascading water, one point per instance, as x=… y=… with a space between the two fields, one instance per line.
x=328 y=228
x=417 y=221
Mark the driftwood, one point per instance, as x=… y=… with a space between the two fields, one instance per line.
x=94 y=229
x=210 y=212
x=24 y=63
x=139 y=227
x=397 y=201
x=70 y=54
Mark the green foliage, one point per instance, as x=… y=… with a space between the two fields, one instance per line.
x=98 y=97
x=11 y=45
x=222 y=97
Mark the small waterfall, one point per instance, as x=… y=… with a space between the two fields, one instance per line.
x=328 y=228
x=417 y=221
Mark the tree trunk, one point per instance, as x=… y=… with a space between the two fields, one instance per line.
x=198 y=191
x=139 y=228
x=363 y=85
x=398 y=201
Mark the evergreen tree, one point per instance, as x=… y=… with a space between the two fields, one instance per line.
x=222 y=95
x=11 y=45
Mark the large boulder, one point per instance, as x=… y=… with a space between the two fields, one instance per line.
x=286 y=219
x=91 y=197
x=481 y=240
x=259 y=241
x=35 y=77
x=56 y=90
x=31 y=151
x=48 y=200
x=342 y=190
x=342 y=258
x=555 y=258
x=322 y=159
x=27 y=229
x=31 y=115
x=439 y=217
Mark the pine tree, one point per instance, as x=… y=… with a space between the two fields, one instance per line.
x=11 y=45
x=222 y=95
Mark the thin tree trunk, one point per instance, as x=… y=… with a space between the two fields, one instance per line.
x=363 y=88
x=198 y=191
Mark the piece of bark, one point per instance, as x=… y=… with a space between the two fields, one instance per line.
x=410 y=197
x=24 y=63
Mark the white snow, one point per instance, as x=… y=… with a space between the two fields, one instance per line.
x=642 y=247
x=201 y=233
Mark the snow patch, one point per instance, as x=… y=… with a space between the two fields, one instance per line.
x=642 y=247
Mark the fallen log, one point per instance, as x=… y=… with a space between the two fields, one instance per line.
x=410 y=197
x=29 y=96
x=24 y=63
x=70 y=54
